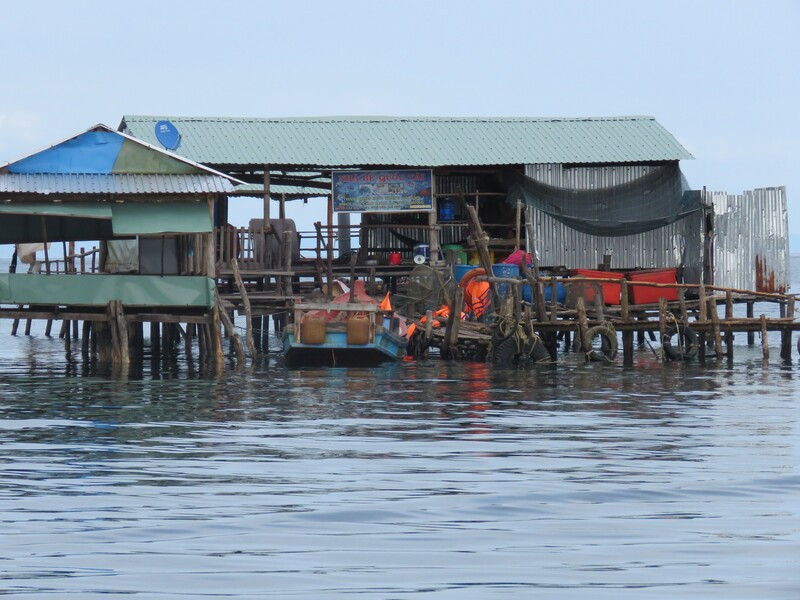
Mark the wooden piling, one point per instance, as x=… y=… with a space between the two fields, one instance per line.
x=729 y=317
x=662 y=325
x=453 y=320
x=751 y=336
x=248 y=312
x=236 y=341
x=155 y=340
x=582 y=330
x=712 y=307
x=764 y=338
x=786 y=332
x=85 y=338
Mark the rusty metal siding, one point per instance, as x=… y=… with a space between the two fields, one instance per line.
x=675 y=245
x=751 y=239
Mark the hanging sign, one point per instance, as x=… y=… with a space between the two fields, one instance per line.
x=382 y=191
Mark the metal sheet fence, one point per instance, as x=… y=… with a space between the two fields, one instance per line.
x=751 y=239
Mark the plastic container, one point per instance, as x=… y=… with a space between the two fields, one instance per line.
x=508 y=272
x=357 y=330
x=312 y=330
x=395 y=258
x=611 y=291
x=460 y=255
x=475 y=260
x=423 y=250
x=561 y=293
x=644 y=294
x=460 y=270
x=447 y=210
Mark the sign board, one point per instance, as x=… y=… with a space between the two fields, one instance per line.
x=382 y=191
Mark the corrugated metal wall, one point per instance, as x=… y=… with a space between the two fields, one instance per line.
x=751 y=239
x=678 y=244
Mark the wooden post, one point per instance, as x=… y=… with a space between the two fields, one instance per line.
x=266 y=198
x=236 y=341
x=453 y=320
x=85 y=337
x=352 y=297
x=248 y=312
x=627 y=334
x=751 y=335
x=764 y=338
x=155 y=340
x=48 y=328
x=583 y=326
x=553 y=303
x=598 y=302
x=187 y=340
x=433 y=224
x=729 y=318
x=712 y=307
x=624 y=295
x=701 y=293
x=682 y=304
x=121 y=325
x=479 y=238
x=662 y=324
x=532 y=242
x=518 y=227
x=786 y=332
x=287 y=262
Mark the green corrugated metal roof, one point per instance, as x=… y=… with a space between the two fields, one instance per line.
x=414 y=141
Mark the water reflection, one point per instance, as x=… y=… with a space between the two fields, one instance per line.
x=442 y=478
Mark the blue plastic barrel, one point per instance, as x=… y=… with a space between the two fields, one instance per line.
x=561 y=293
x=423 y=250
x=506 y=271
x=447 y=210
x=460 y=270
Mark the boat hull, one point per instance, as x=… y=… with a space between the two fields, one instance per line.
x=336 y=352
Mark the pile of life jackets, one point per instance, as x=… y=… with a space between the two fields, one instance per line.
x=477 y=299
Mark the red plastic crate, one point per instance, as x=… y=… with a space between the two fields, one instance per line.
x=644 y=294
x=611 y=291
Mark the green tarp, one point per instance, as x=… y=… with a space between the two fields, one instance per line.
x=72 y=221
x=99 y=290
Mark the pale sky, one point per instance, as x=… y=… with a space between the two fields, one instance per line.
x=722 y=76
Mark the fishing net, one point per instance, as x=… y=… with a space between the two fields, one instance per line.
x=654 y=200
x=428 y=289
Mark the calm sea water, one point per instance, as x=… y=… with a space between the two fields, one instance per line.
x=414 y=480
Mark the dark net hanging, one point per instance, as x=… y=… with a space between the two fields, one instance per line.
x=654 y=200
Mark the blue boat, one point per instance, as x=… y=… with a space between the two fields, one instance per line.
x=382 y=338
